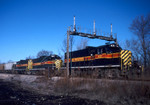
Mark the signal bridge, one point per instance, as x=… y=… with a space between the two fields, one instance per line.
x=92 y=36
x=82 y=34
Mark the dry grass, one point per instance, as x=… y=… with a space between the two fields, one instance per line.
x=105 y=90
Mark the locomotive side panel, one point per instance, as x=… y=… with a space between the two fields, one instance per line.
x=102 y=56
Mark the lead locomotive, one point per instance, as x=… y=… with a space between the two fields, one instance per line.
x=107 y=60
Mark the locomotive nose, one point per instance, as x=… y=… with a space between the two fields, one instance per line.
x=58 y=63
x=126 y=57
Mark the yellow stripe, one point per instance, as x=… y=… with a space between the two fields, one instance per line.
x=130 y=63
x=126 y=58
x=125 y=62
x=123 y=53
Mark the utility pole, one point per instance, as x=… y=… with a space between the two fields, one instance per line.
x=67 y=65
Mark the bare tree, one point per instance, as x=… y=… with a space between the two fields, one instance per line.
x=141 y=28
x=64 y=44
x=71 y=41
x=44 y=53
x=10 y=61
x=60 y=54
x=83 y=43
x=148 y=52
x=30 y=57
x=133 y=45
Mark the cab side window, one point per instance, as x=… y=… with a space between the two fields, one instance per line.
x=49 y=58
x=109 y=50
x=103 y=50
x=100 y=51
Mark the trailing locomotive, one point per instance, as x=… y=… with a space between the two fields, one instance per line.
x=107 y=60
x=52 y=61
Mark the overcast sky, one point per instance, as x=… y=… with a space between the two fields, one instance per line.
x=28 y=26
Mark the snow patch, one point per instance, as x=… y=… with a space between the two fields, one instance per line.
x=17 y=77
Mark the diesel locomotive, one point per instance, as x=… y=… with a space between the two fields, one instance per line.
x=107 y=60
x=43 y=62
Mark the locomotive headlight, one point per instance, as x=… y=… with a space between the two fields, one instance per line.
x=112 y=45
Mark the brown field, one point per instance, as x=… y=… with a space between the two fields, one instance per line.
x=110 y=92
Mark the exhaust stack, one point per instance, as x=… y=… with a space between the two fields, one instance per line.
x=74 y=25
x=94 y=29
x=111 y=31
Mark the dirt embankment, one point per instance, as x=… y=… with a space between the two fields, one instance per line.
x=112 y=92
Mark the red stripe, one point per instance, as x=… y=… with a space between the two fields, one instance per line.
x=100 y=56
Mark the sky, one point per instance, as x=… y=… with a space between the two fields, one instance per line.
x=29 y=26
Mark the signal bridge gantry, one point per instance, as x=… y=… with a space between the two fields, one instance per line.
x=88 y=35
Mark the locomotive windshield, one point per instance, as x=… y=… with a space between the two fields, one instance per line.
x=113 y=49
x=108 y=49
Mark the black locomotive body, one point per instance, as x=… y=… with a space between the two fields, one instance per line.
x=52 y=61
x=109 y=56
x=96 y=57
